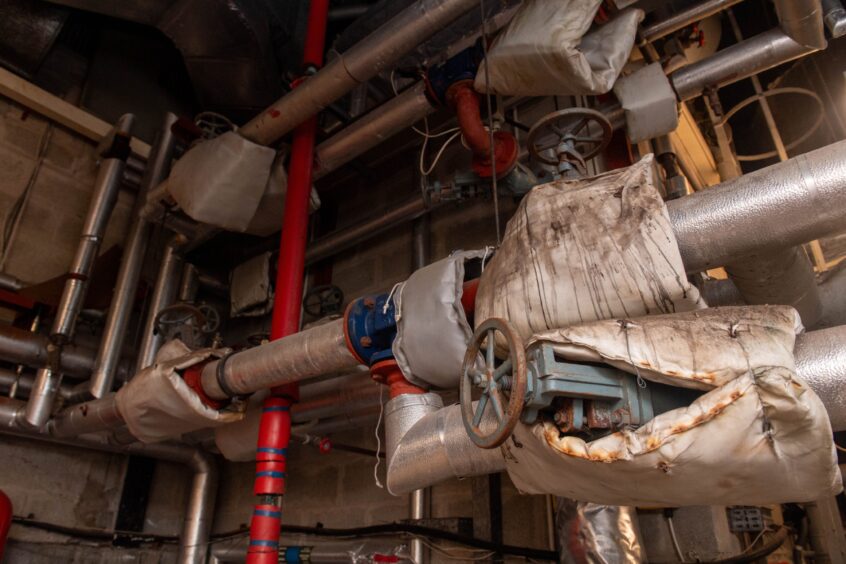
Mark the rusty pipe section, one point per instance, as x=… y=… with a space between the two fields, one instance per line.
x=786 y=204
x=314 y=352
x=379 y=51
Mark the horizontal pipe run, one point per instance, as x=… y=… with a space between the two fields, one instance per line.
x=684 y=18
x=373 y=128
x=345 y=238
x=314 y=352
x=378 y=52
x=786 y=204
x=30 y=349
x=90 y=417
x=741 y=60
x=821 y=363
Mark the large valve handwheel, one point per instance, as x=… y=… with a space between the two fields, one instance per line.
x=588 y=132
x=503 y=385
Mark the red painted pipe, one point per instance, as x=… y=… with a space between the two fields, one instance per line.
x=275 y=425
x=5 y=520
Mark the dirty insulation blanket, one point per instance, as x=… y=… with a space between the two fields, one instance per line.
x=588 y=249
x=546 y=51
x=158 y=405
x=757 y=436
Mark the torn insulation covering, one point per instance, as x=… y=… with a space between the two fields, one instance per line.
x=760 y=437
x=158 y=405
x=546 y=51
x=581 y=250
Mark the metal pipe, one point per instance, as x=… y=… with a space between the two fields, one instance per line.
x=90 y=417
x=103 y=200
x=275 y=424
x=350 y=236
x=120 y=310
x=379 y=51
x=802 y=21
x=314 y=352
x=348 y=12
x=821 y=363
x=24 y=382
x=684 y=18
x=741 y=60
x=373 y=128
x=164 y=294
x=347 y=395
x=10 y=283
x=22 y=347
x=785 y=204
x=196 y=527
x=834 y=18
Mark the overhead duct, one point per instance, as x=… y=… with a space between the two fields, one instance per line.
x=802 y=21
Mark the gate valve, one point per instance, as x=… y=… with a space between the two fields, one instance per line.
x=370 y=327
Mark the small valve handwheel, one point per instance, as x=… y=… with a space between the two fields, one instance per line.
x=503 y=386
x=587 y=131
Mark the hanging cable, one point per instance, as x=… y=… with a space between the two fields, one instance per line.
x=490 y=122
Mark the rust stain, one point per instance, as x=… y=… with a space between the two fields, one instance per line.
x=645 y=364
x=274 y=113
x=672 y=373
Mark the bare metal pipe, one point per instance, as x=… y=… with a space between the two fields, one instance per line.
x=120 y=310
x=741 y=60
x=834 y=18
x=379 y=51
x=350 y=236
x=199 y=512
x=802 y=21
x=90 y=417
x=164 y=294
x=103 y=201
x=30 y=349
x=684 y=18
x=786 y=204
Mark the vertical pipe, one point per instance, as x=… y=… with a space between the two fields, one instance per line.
x=167 y=285
x=199 y=513
x=5 y=520
x=420 y=499
x=117 y=321
x=275 y=424
x=106 y=189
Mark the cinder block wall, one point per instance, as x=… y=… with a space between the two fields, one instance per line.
x=52 y=219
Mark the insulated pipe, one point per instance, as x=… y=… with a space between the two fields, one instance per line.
x=802 y=21
x=199 y=512
x=164 y=294
x=786 y=204
x=120 y=310
x=378 y=125
x=275 y=424
x=684 y=18
x=741 y=60
x=821 y=363
x=835 y=17
x=103 y=200
x=84 y=418
x=378 y=52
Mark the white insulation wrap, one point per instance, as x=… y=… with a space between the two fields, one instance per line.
x=158 y=405
x=430 y=317
x=544 y=50
x=581 y=250
x=760 y=437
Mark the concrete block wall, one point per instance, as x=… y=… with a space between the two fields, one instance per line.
x=52 y=220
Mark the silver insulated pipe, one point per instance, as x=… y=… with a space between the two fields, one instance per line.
x=106 y=189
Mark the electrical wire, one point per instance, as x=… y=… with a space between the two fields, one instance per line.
x=371 y=531
x=426 y=171
x=379 y=439
x=674 y=538
x=494 y=190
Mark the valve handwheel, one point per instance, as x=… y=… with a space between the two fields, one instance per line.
x=588 y=132
x=503 y=385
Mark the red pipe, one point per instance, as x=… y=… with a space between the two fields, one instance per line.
x=5 y=520
x=275 y=425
